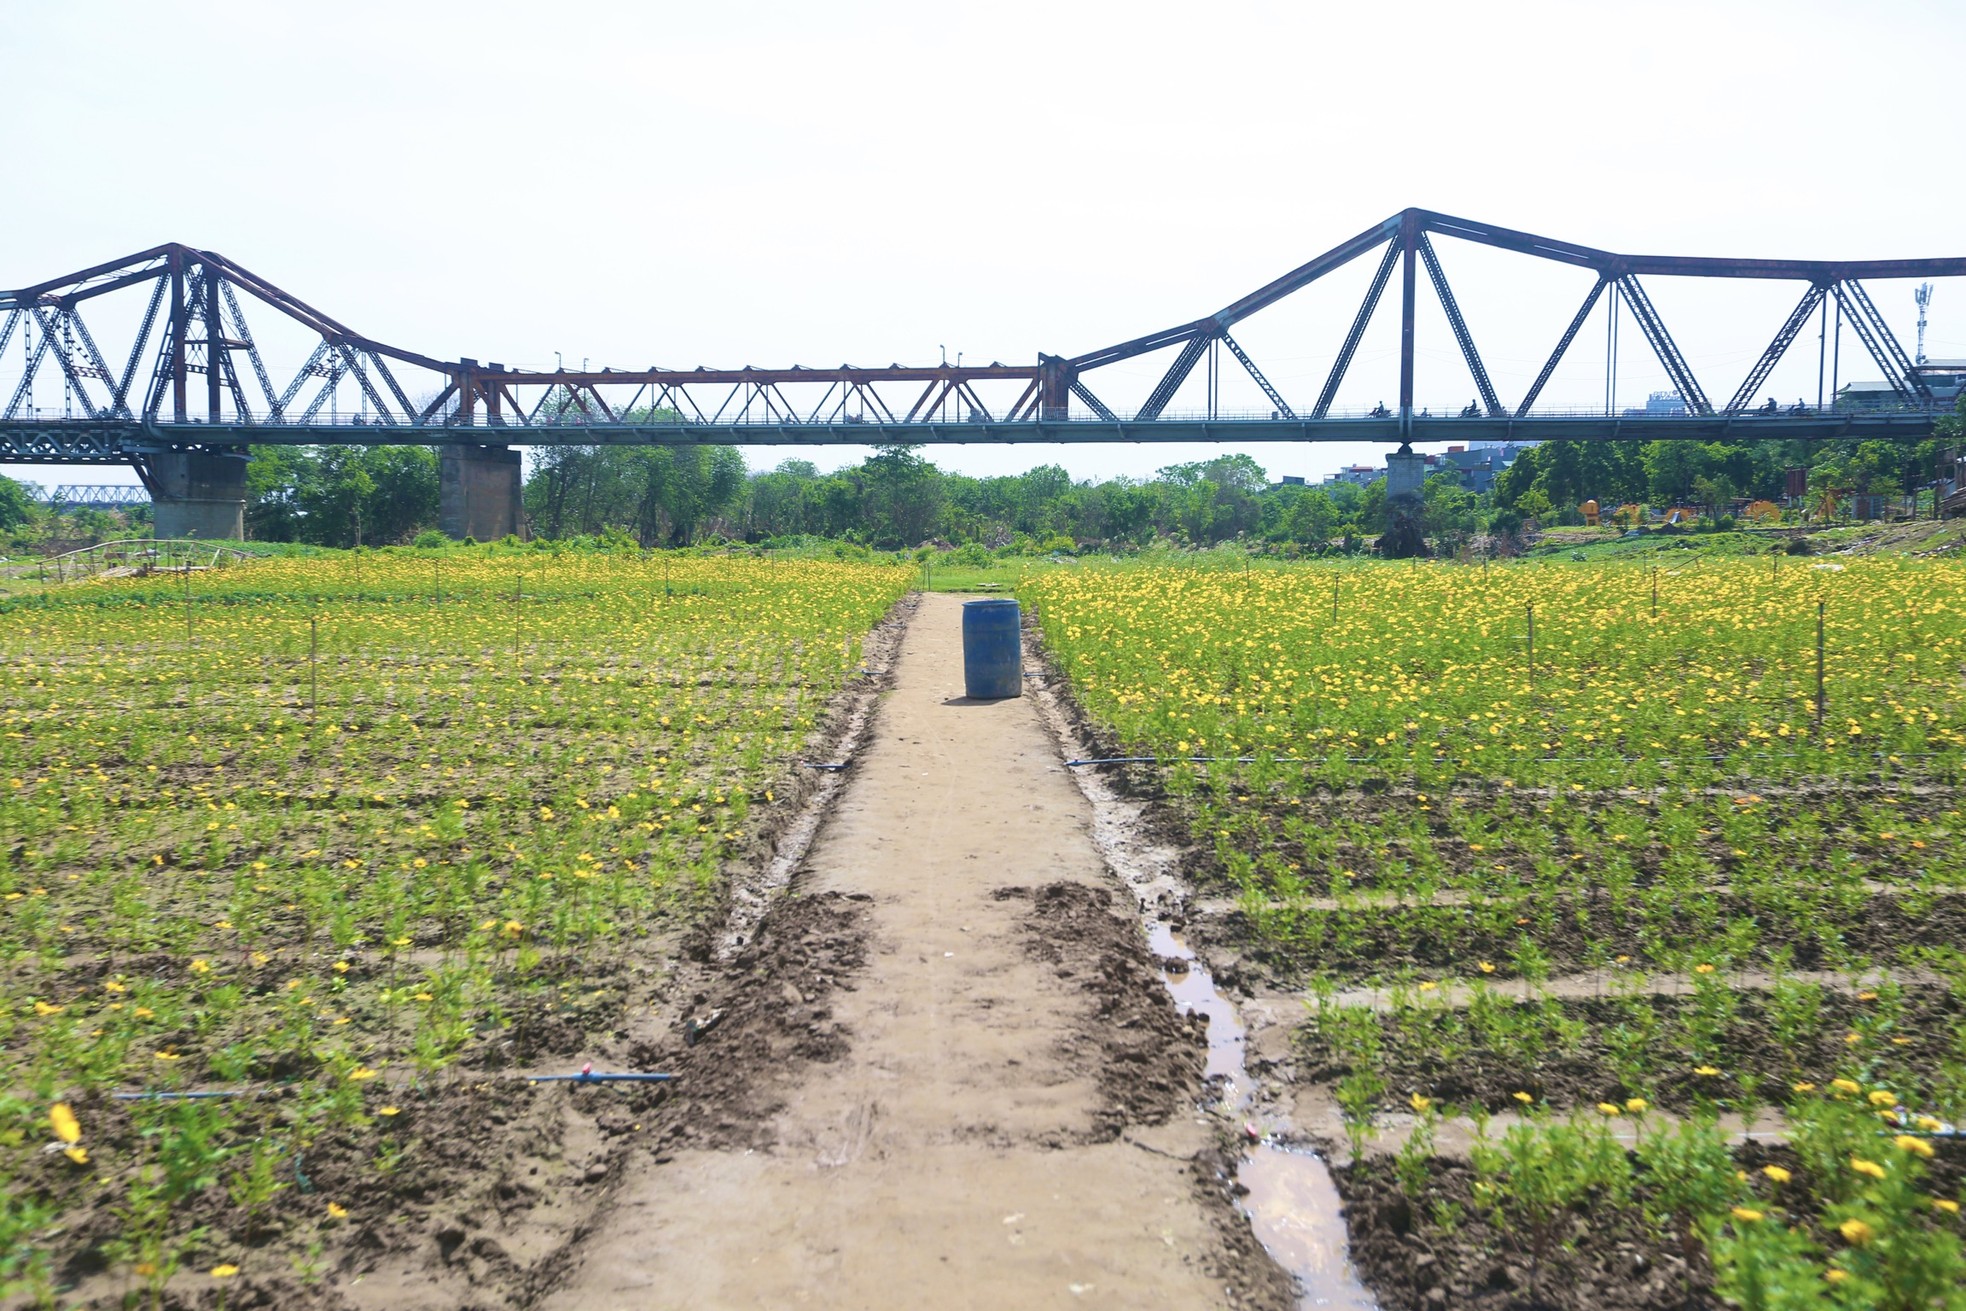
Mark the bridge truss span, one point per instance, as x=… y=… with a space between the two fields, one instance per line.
x=157 y=365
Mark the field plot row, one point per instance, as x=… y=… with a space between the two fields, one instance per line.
x=358 y=829
x=1570 y=891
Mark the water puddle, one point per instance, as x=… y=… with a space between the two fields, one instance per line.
x=1296 y=1214
x=1292 y=1204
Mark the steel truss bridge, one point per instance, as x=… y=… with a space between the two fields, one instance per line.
x=193 y=378
x=95 y=496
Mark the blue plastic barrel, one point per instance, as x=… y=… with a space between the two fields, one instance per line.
x=993 y=656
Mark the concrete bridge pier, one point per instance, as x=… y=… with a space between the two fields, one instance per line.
x=198 y=494
x=1406 y=477
x=1406 y=474
x=478 y=492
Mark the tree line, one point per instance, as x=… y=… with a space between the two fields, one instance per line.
x=897 y=498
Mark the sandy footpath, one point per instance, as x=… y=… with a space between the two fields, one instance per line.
x=1009 y=1121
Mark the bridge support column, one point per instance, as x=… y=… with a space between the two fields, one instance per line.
x=478 y=492
x=1406 y=477
x=1054 y=389
x=199 y=494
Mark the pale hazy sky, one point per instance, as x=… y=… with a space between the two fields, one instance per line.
x=778 y=183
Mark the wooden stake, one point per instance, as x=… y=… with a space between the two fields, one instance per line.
x=1820 y=606
x=1532 y=651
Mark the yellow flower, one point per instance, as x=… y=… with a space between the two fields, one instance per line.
x=224 y=1271
x=79 y=1155
x=359 y=1073
x=1871 y=1168
x=341 y=967
x=1524 y=1098
x=1856 y=1231
x=1883 y=1097
x=1747 y=1213
x=47 y=1008
x=1777 y=1173
x=169 y=1056
x=513 y=928
x=1945 y=1204
x=1916 y=1146
x=1485 y=967
x=1705 y=1071
x=336 y=1211
x=1846 y=1085
x=1428 y=985
x=1420 y=1104
x=389 y=1110
x=201 y=966
x=1637 y=1105
x=1805 y=1087
x=1607 y=1108
x=1836 y=1276
x=66 y=1126
x=1703 y=969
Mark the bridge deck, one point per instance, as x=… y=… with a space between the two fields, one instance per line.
x=98 y=441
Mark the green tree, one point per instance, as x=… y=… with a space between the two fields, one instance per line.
x=1312 y=518
x=901 y=497
x=16 y=506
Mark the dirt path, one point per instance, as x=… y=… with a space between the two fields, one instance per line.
x=1008 y=1121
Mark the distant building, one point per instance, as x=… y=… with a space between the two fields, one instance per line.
x=1477 y=469
x=1476 y=466
x=1945 y=379
x=1660 y=405
x=1876 y=395
x=1358 y=475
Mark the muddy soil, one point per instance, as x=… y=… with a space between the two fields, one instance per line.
x=1571 y=934
x=1413 y=1262
x=1752 y=1055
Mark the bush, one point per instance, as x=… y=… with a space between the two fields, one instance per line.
x=972 y=555
x=429 y=539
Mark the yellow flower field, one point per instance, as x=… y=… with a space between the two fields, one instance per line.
x=348 y=825
x=1534 y=852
